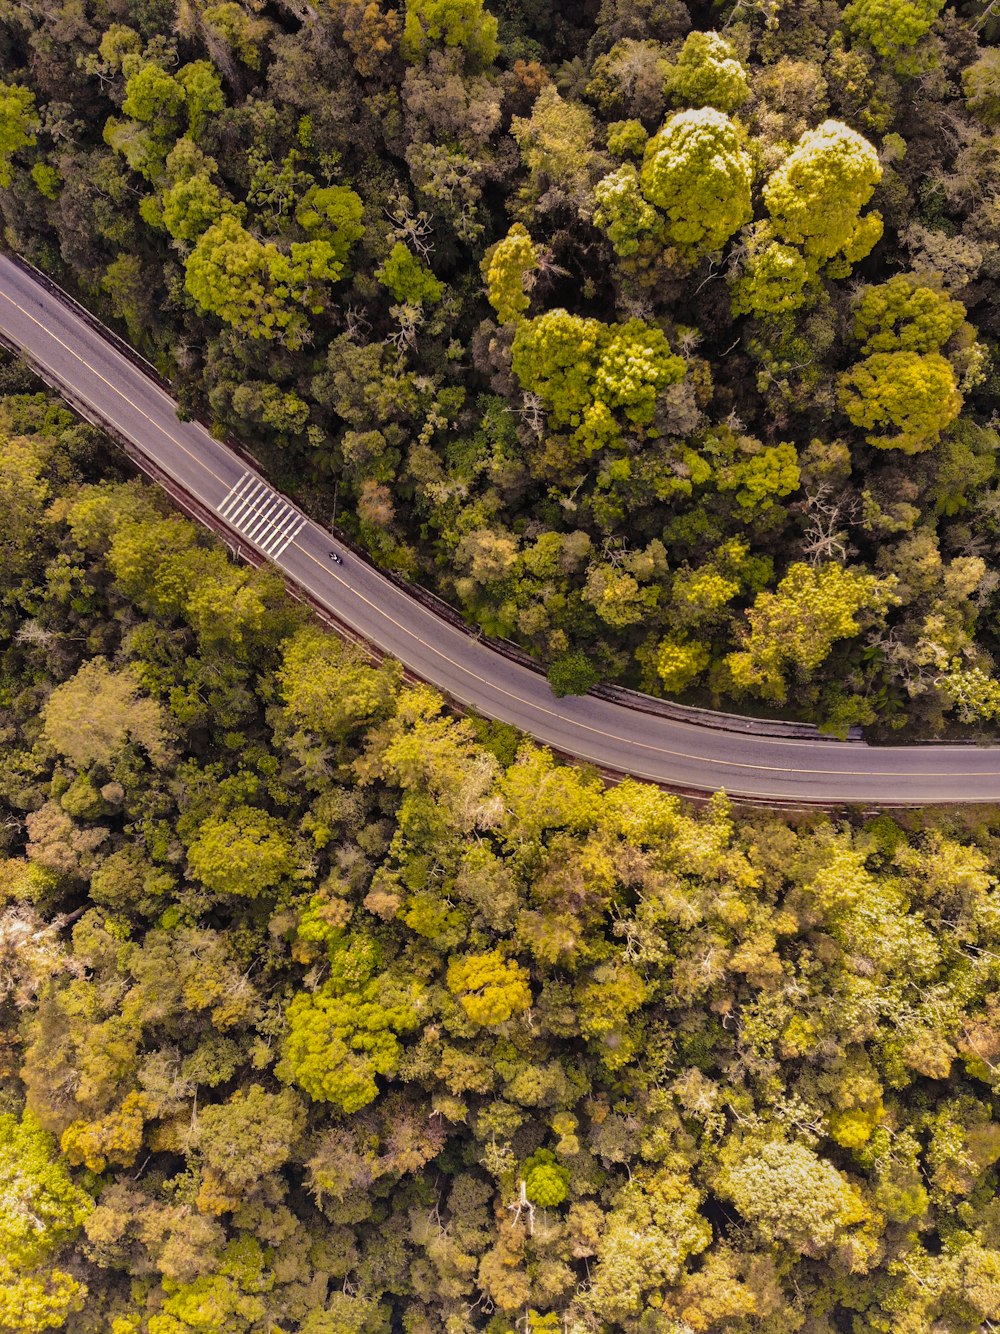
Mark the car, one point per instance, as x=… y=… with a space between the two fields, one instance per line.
x=337 y=559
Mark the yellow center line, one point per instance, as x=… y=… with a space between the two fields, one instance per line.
x=433 y=649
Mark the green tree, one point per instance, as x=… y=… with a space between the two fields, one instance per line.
x=815 y=198
x=698 y=174
x=465 y=24
x=334 y=213
x=203 y=95
x=341 y=1038
x=330 y=688
x=790 y=1194
x=708 y=74
x=154 y=97
x=90 y=717
x=408 y=279
x=43 y=1211
x=546 y=1182
x=243 y=281
x=679 y=662
x=889 y=26
x=251 y=1134
x=557 y=147
x=193 y=205
x=506 y=268
x=18 y=123
x=774 y=278
x=246 y=852
x=490 y=989
x=795 y=627
x=902 y=316
x=572 y=673
x=902 y=400
x=622 y=212
x=584 y=371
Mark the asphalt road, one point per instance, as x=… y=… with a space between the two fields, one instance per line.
x=74 y=357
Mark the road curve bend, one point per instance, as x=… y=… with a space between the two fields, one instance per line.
x=79 y=359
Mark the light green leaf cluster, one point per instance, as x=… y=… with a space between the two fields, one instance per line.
x=333 y=213
x=679 y=662
x=229 y=1301
x=698 y=174
x=546 y=1182
x=622 y=212
x=585 y=371
x=243 y=281
x=790 y=1194
x=902 y=316
x=505 y=268
x=329 y=688
x=708 y=74
x=903 y=400
x=975 y=695
x=18 y=123
x=889 y=26
x=762 y=477
x=245 y=852
x=342 y=1037
x=617 y=596
x=654 y=1225
x=164 y=101
x=408 y=279
x=490 y=989
x=774 y=280
x=981 y=86
x=41 y=1209
x=90 y=717
x=192 y=205
x=815 y=197
x=794 y=627
x=455 y=23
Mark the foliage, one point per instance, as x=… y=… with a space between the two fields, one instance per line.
x=795 y=626
x=708 y=74
x=815 y=197
x=890 y=25
x=698 y=174
x=904 y=400
x=361 y=1010
x=18 y=123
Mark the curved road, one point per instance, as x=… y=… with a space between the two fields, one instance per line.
x=74 y=356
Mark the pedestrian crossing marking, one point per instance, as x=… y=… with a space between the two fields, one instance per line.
x=260 y=515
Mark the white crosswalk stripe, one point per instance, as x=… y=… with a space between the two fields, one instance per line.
x=264 y=518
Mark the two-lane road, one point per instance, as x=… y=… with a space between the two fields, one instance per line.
x=76 y=358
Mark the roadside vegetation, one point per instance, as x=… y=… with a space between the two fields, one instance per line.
x=660 y=340
x=323 y=1011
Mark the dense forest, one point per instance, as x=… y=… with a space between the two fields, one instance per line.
x=663 y=341
x=325 y=1012
x=660 y=339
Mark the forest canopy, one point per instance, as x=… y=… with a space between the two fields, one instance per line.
x=662 y=340
x=324 y=1011
x=619 y=325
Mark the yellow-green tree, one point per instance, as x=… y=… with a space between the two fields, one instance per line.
x=490 y=989
x=815 y=198
x=42 y=1211
x=902 y=400
x=794 y=628
x=697 y=173
x=708 y=74
x=18 y=123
